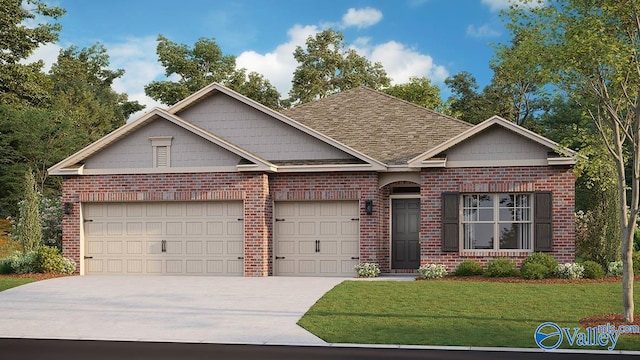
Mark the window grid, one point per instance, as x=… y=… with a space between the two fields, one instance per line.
x=487 y=217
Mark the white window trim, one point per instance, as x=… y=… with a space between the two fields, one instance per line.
x=158 y=142
x=496 y=222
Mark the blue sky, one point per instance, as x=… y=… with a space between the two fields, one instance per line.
x=432 y=38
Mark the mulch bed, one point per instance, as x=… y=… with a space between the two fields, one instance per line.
x=480 y=278
x=613 y=319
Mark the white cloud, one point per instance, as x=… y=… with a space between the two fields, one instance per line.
x=48 y=53
x=138 y=57
x=497 y=5
x=402 y=62
x=483 y=31
x=278 y=65
x=361 y=18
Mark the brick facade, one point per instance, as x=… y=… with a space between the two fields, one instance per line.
x=259 y=191
x=559 y=180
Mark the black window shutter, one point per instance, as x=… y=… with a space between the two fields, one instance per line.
x=450 y=221
x=542 y=232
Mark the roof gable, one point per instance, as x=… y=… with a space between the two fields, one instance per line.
x=386 y=128
x=73 y=164
x=564 y=156
x=263 y=131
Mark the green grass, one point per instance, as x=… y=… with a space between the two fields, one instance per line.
x=457 y=312
x=9 y=282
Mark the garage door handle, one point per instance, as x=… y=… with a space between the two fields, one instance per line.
x=317 y=246
x=164 y=245
x=279 y=257
x=355 y=258
x=279 y=220
x=88 y=257
x=240 y=257
x=355 y=219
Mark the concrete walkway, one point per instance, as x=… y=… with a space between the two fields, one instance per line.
x=177 y=309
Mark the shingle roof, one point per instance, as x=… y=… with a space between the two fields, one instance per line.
x=379 y=125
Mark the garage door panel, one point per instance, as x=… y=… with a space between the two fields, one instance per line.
x=134 y=266
x=134 y=247
x=127 y=238
x=316 y=238
x=154 y=228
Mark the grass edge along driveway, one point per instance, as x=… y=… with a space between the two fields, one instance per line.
x=7 y=282
x=458 y=313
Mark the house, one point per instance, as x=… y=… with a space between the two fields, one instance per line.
x=220 y=185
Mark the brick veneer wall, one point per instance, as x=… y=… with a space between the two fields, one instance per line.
x=253 y=188
x=359 y=186
x=559 y=180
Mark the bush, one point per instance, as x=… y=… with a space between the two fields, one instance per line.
x=367 y=270
x=44 y=259
x=468 y=268
x=501 y=267
x=592 y=270
x=5 y=266
x=546 y=260
x=534 y=271
x=22 y=263
x=614 y=268
x=432 y=271
x=636 y=263
x=49 y=260
x=570 y=271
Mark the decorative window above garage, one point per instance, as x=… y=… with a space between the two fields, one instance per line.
x=161 y=151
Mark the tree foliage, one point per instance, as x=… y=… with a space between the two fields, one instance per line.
x=30 y=230
x=200 y=65
x=420 y=91
x=327 y=66
x=24 y=84
x=589 y=50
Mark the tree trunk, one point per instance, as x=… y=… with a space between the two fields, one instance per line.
x=627 y=272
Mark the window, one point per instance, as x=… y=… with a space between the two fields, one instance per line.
x=496 y=221
x=161 y=151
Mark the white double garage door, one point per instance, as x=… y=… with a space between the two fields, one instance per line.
x=207 y=238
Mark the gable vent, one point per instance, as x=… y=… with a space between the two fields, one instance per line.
x=161 y=151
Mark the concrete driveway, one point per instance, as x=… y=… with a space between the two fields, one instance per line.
x=177 y=309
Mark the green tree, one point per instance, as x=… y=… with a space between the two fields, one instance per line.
x=590 y=51
x=30 y=229
x=327 y=66
x=202 y=65
x=466 y=103
x=420 y=91
x=83 y=92
x=24 y=83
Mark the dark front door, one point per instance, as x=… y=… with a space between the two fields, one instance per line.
x=405 y=223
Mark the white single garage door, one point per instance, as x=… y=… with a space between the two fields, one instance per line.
x=175 y=238
x=316 y=238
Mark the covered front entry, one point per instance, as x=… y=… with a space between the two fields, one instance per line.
x=405 y=225
x=316 y=238
x=164 y=238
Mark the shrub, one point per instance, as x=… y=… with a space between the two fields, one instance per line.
x=468 y=268
x=367 y=270
x=432 y=271
x=532 y=270
x=636 y=263
x=570 y=271
x=546 y=260
x=5 y=266
x=49 y=260
x=614 y=268
x=592 y=270
x=501 y=267
x=23 y=263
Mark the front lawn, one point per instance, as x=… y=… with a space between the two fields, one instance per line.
x=7 y=282
x=463 y=313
